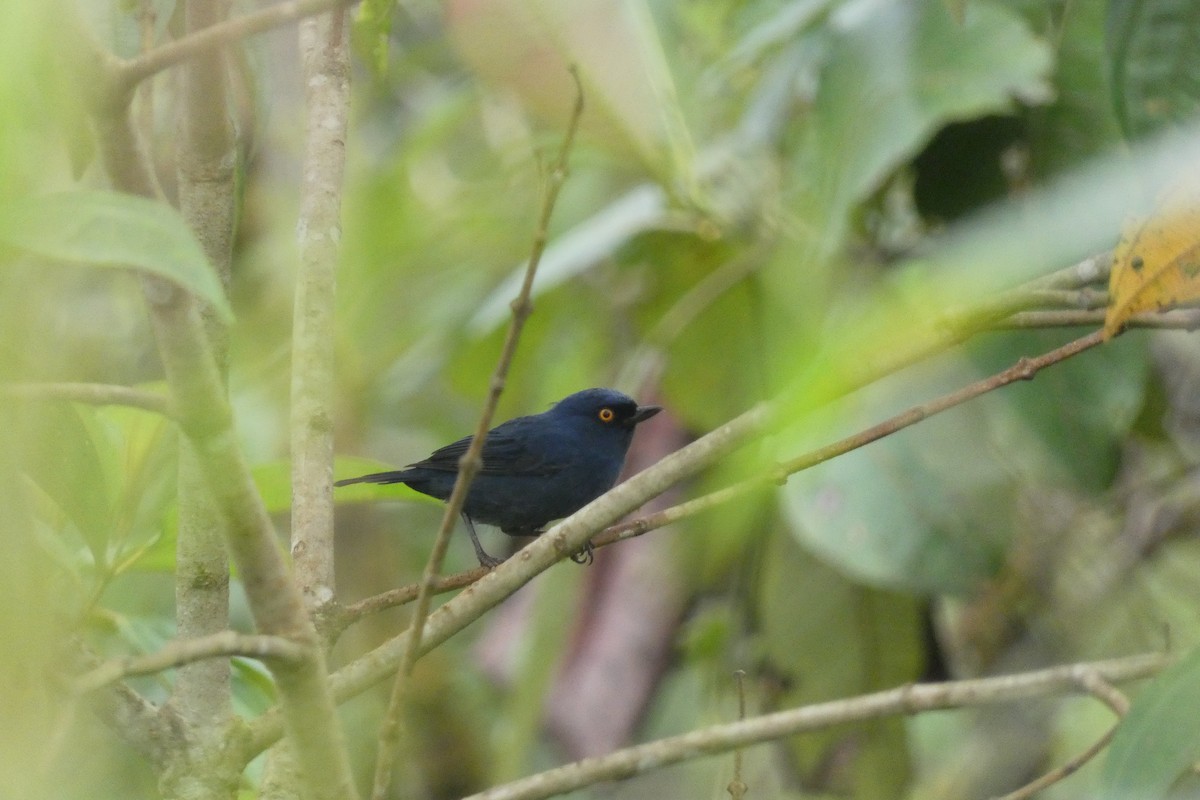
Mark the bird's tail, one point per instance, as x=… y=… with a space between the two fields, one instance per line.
x=395 y=476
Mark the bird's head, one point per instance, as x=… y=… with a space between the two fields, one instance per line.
x=606 y=407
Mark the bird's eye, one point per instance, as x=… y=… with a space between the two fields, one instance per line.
x=606 y=415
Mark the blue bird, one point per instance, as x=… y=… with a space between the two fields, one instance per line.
x=537 y=468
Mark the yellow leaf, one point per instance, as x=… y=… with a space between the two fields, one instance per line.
x=1156 y=265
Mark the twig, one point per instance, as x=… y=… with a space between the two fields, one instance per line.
x=1064 y=771
x=1104 y=691
x=737 y=787
x=910 y=699
x=187 y=651
x=1095 y=684
x=95 y=394
x=1179 y=319
x=135 y=70
x=397 y=597
x=472 y=461
x=1024 y=369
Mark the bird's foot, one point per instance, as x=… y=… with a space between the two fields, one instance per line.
x=488 y=561
x=585 y=556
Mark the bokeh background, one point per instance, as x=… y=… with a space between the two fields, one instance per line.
x=765 y=195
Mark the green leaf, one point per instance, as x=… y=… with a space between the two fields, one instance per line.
x=1154 y=57
x=877 y=646
x=1159 y=739
x=253 y=687
x=112 y=230
x=1079 y=411
x=922 y=509
x=71 y=469
x=895 y=75
x=372 y=29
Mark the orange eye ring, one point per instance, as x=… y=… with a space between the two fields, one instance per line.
x=606 y=415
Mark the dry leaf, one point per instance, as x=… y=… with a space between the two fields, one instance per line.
x=1156 y=265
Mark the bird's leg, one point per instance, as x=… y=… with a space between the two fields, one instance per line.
x=491 y=562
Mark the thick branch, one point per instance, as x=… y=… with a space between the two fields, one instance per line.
x=274 y=598
x=204 y=165
x=206 y=420
x=325 y=50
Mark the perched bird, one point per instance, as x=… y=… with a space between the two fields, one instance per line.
x=535 y=469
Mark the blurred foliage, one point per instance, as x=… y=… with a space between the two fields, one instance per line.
x=766 y=197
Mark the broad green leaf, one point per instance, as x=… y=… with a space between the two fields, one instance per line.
x=631 y=98
x=1079 y=410
x=896 y=72
x=1159 y=739
x=1154 y=57
x=928 y=508
x=253 y=687
x=1080 y=122
x=71 y=469
x=116 y=231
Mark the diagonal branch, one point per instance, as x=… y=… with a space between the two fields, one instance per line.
x=1095 y=684
x=910 y=699
x=1025 y=369
x=565 y=538
x=472 y=461
x=132 y=72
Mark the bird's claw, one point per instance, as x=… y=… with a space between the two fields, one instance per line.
x=584 y=556
x=489 y=561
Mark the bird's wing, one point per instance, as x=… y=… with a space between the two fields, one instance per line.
x=504 y=453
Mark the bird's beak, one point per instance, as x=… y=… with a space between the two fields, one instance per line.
x=643 y=413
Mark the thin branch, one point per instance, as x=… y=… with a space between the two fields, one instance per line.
x=95 y=394
x=737 y=787
x=187 y=651
x=472 y=461
x=1061 y=772
x=910 y=699
x=135 y=70
x=1104 y=691
x=153 y=732
x=396 y=597
x=1095 y=684
x=1187 y=319
x=1024 y=369
x=324 y=47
